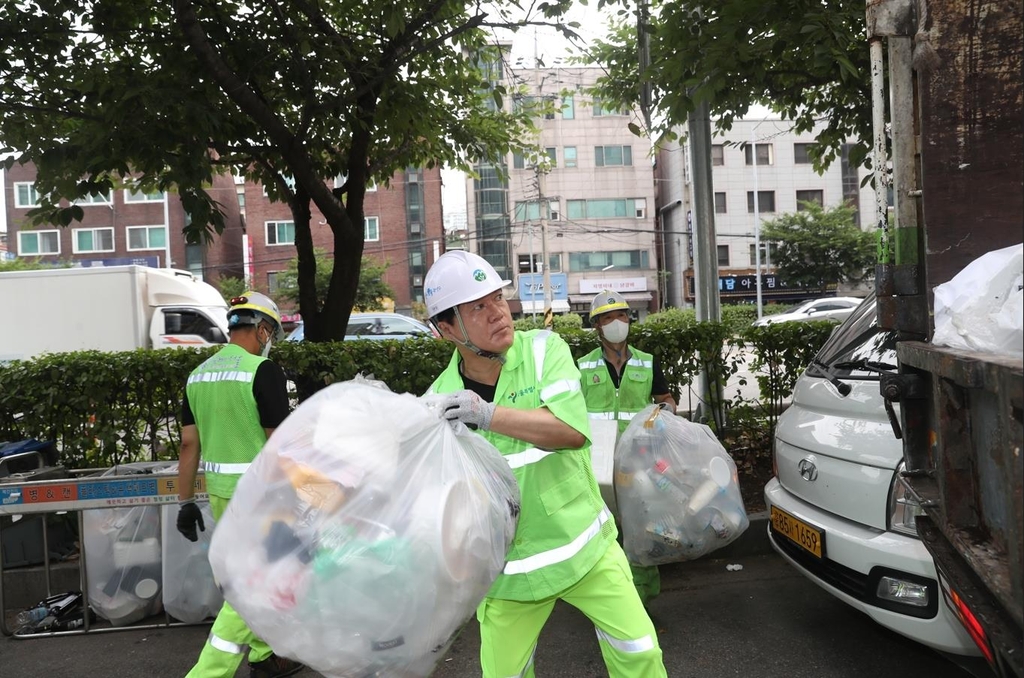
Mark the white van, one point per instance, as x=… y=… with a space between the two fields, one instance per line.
x=837 y=512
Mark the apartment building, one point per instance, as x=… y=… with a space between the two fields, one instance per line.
x=591 y=181
x=402 y=228
x=762 y=157
x=123 y=227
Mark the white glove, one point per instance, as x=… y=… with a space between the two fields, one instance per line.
x=469 y=408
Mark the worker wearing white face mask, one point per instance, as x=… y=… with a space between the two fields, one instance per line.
x=619 y=380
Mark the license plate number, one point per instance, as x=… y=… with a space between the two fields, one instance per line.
x=810 y=538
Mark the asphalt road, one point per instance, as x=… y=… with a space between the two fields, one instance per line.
x=764 y=621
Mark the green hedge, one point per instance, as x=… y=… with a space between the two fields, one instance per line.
x=109 y=408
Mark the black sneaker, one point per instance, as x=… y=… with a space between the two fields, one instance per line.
x=274 y=667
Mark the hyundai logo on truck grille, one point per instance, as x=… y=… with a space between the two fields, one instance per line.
x=808 y=471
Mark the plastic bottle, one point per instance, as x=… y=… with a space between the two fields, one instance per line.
x=30 y=617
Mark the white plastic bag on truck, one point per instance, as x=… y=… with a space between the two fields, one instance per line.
x=982 y=307
x=123 y=554
x=677 y=490
x=365 y=533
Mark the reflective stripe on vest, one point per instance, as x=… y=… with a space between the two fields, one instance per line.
x=530 y=456
x=636 y=362
x=560 y=387
x=219 y=643
x=630 y=646
x=591 y=364
x=540 y=347
x=601 y=415
x=228 y=469
x=560 y=554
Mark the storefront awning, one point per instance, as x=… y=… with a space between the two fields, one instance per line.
x=557 y=306
x=638 y=298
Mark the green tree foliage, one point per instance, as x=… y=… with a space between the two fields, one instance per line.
x=372 y=288
x=289 y=94
x=817 y=247
x=230 y=287
x=806 y=60
x=29 y=264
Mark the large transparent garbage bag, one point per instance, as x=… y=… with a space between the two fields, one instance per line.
x=190 y=593
x=677 y=490
x=123 y=552
x=365 y=533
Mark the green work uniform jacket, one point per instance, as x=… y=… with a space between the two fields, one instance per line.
x=227 y=417
x=604 y=401
x=564 y=527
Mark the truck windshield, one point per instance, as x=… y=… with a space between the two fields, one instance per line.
x=858 y=348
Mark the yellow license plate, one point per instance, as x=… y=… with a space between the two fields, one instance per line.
x=811 y=539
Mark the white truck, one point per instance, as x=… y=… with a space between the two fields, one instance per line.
x=115 y=308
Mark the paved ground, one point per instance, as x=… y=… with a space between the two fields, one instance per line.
x=764 y=621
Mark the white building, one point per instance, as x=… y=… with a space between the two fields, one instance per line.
x=593 y=183
x=784 y=179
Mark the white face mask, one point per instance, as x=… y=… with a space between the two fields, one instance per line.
x=264 y=347
x=616 y=331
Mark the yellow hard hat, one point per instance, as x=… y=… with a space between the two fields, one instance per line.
x=251 y=308
x=608 y=300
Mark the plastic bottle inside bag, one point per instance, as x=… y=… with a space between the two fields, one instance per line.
x=716 y=478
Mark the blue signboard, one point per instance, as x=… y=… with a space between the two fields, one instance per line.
x=531 y=286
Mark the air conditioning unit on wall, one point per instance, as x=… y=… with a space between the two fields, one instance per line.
x=415 y=227
x=417 y=281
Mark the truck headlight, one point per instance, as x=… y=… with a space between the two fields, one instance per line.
x=903 y=508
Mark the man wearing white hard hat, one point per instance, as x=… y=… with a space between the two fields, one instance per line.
x=619 y=381
x=521 y=391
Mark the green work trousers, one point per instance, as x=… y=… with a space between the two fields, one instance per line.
x=229 y=636
x=629 y=644
x=647 y=580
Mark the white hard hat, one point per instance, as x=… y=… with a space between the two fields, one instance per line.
x=251 y=308
x=608 y=301
x=457 y=277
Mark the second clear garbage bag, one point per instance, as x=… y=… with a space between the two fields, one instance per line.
x=366 y=533
x=676 y=488
x=190 y=593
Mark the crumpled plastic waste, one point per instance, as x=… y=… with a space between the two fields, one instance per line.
x=366 y=533
x=676 y=488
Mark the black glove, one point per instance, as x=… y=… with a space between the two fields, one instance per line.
x=189 y=516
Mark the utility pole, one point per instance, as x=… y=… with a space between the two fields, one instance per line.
x=757 y=225
x=706 y=252
x=549 y=319
x=533 y=270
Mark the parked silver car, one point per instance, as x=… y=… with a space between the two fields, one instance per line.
x=376 y=326
x=837 y=309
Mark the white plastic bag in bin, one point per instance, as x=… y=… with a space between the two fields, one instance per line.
x=190 y=593
x=676 y=488
x=366 y=533
x=123 y=555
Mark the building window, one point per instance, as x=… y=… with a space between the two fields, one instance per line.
x=527 y=211
x=606 y=209
x=719 y=203
x=717 y=155
x=38 y=242
x=92 y=240
x=765 y=252
x=765 y=154
x=131 y=195
x=612 y=156
x=280 y=232
x=194 y=259
x=241 y=201
x=146 y=237
x=723 y=255
x=817 y=197
x=552 y=154
x=569 y=155
x=602 y=109
x=801 y=154
x=518 y=161
x=371 y=229
x=272 y=282
x=599 y=261
x=554 y=211
x=851 y=183
x=765 y=201
x=25 y=195
x=99 y=199
x=568 y=107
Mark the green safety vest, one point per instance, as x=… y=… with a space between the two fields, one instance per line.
x=604 y=401
x=230 y=433
x=564 y=527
